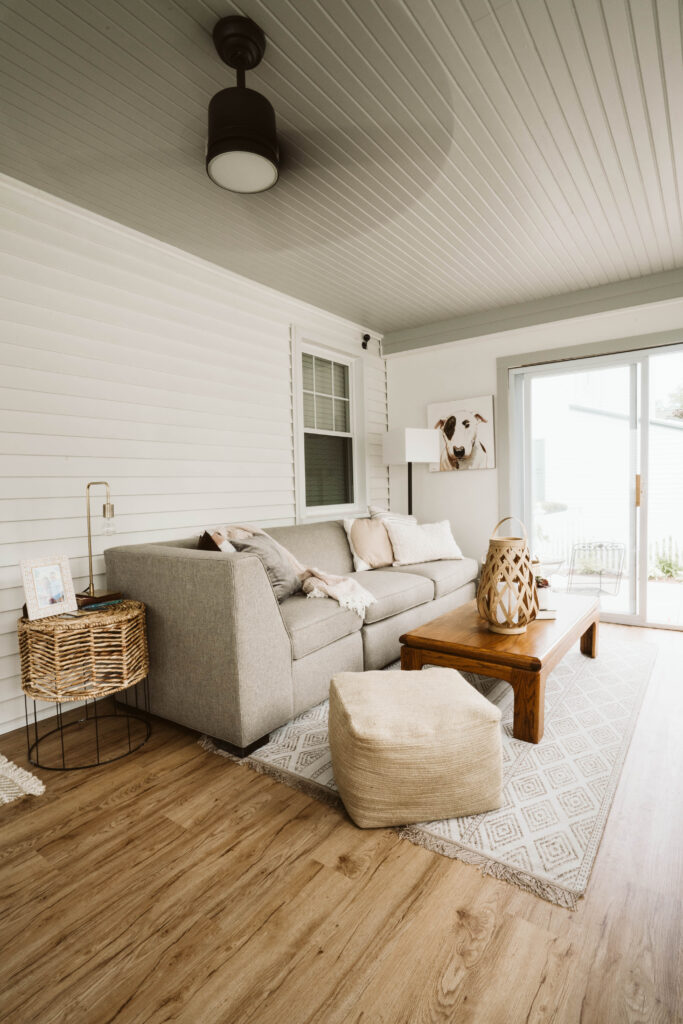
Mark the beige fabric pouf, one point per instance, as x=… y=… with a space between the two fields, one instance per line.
x=413 y=746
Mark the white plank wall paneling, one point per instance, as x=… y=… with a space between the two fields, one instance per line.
x=124 y=359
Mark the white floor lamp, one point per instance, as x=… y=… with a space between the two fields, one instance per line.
x=406 y=445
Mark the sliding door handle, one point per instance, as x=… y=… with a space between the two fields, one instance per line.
x=637 y=490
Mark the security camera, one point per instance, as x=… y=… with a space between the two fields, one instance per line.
x=366 y=339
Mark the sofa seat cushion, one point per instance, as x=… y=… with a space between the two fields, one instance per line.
x=315 y=622
x=394 y=592
x=447 y=575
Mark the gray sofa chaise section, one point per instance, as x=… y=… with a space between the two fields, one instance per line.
x=228 y=660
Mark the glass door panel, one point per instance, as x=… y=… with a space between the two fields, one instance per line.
x=664 y=491
x=581 y=452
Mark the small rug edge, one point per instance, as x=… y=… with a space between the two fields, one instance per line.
x=548 y=891
x=27 y=782
x=306 y=786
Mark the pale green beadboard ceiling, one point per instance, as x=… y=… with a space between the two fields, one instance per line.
x=441 y=156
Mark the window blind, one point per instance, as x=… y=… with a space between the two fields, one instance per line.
x=329 y=470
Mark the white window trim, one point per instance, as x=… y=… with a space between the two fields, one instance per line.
x=302 y=343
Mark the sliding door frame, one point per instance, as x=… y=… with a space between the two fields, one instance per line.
x=513 y=414
x=520 y=411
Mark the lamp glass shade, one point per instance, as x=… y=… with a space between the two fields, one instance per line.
x=240 y=171
x=410 y=444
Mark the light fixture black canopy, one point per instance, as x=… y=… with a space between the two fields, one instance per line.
x=242 y=154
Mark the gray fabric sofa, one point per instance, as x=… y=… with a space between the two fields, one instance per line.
x=228 y=660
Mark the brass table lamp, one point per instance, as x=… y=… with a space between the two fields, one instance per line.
x=88 y=596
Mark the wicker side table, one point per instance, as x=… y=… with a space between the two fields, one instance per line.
x=85 y=659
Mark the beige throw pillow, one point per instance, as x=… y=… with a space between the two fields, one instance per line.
x=369 y=543
x=426 y=542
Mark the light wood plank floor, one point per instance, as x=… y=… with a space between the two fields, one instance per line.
x=176 y=885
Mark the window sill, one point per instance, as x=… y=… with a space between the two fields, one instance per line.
x=331 y=512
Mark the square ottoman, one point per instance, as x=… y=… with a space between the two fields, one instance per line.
x=413 y=746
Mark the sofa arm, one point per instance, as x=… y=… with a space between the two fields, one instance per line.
x=220 y=656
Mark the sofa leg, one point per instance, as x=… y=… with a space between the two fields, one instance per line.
x=241 y=751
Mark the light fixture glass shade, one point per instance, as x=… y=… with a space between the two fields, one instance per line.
x=109 y=523
x=239 y=171
x=242 y=153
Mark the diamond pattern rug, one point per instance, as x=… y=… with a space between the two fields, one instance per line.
x=557 y=794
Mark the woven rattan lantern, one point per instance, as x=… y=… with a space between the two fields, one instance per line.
x=507 y=596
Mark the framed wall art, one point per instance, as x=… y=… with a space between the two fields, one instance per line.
x=465 y=427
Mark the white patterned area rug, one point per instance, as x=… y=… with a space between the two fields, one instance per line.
x=557 y=794
x=15 y=782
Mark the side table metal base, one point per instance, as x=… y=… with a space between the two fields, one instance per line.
x=110 y=735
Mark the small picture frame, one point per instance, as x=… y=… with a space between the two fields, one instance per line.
x=48 y=586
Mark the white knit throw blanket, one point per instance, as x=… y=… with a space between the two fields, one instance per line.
x=314 y=582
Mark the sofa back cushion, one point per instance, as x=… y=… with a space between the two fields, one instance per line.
x=317 y=545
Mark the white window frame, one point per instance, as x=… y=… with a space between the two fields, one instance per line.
x=302 y=343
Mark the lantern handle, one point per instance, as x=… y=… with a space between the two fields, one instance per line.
x=504 y=520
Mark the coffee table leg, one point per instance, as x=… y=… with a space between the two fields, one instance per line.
x=411 y=658
x=529 y=688
x=589 y=641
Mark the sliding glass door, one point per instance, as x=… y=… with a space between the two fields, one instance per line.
x=597 y=458
x=662 y=510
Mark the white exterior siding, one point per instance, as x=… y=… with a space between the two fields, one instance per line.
x=124 y=359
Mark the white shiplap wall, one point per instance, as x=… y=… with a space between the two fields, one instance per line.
x=124 y=359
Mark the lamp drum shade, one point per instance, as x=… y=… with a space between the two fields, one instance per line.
x=410 y=444
x=242 y=154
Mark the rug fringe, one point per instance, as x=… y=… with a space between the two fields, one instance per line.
x=30 y=784
x=206 y=743
x=307 y=786
x=503 y=872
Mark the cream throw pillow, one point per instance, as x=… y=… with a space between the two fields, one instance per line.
x=426 y=542
x=369 y=543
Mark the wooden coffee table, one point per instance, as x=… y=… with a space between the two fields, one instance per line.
x=462 y=640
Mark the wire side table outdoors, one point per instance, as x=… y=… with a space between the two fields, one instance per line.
x=596 y=567
x=97 y=655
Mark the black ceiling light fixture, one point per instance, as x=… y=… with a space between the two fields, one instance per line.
x=242 y=154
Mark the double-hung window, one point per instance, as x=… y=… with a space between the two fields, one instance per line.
x=328 y=434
